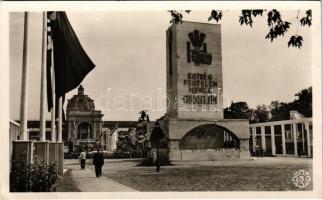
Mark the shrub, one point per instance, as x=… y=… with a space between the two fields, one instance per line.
x=33 y=177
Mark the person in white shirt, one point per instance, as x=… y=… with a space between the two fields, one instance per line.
x=82 y=159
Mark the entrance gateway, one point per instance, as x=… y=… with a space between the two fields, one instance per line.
x=194 y=122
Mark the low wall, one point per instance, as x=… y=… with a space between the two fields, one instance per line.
x=207 y=154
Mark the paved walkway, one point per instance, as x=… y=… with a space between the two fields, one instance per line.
x=87 y=181
x=123 y=175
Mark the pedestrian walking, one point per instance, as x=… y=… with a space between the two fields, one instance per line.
x=82 y=159
x=98 y=162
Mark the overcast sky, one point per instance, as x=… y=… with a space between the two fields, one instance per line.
x=129 y=50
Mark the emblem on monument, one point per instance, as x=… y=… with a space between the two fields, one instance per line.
x=198 y=53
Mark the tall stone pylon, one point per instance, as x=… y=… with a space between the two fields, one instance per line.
x=194 y=118
x=194 y=71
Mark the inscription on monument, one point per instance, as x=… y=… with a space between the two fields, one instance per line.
x=198 y=83
x=194 y=71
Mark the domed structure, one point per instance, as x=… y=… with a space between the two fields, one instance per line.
x=80 y=101
x=84 y=122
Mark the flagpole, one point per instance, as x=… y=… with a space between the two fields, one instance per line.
x=24 y=84
x=60 y=115
x=53 y=127
x=43 y=81
x=52 y=75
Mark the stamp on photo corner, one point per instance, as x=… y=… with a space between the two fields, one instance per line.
x=301 y=178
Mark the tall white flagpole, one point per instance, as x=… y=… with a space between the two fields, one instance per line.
x=53 y=126
x=52 y=75
x=43 y=81
x=24 y=84
x=60 y=114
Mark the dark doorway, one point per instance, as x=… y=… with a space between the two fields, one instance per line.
x=84 y=130
x=209 y=136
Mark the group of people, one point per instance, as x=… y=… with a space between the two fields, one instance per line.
x=98 y=162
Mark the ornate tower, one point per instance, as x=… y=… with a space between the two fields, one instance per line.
x=84 y=122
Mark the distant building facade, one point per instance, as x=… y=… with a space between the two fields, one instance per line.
x=83 y=126
x=84 y=123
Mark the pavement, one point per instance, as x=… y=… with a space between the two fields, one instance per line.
x=123 y=175
x=87 y=181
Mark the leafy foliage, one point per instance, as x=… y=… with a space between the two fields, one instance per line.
x=303 y=103
x=33 y=177
x=261 y=114
x=295 y=41
x=273 y=17
x=277 y=26
x=279 y=110
x=238 y=110
x=276 y=111
x=307 y=20
x=177 y=16
x=247 y=15
x=216 y=15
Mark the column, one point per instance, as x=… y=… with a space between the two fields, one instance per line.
x=263 y=138
x=253 y=139
x=295 y=139
x=88 y=132
x=308 y=138
x=94 y=130
x=303 y=138
x=69 y=130
x=75 y=131
x=283 y=139
x=273 y=145
x=101 y=139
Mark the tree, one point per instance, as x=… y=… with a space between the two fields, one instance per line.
x=261 y=114
x=303 y=103
x=238 y=110
x=279 y=110
x=276 y=25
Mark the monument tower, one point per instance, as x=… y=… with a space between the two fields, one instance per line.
x=194 y=121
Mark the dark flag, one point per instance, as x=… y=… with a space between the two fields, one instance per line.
x=49 y=87
x=71 y=63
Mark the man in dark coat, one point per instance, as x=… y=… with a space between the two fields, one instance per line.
x=98 y=161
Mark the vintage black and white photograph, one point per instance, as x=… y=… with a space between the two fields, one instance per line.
x=164 y=100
